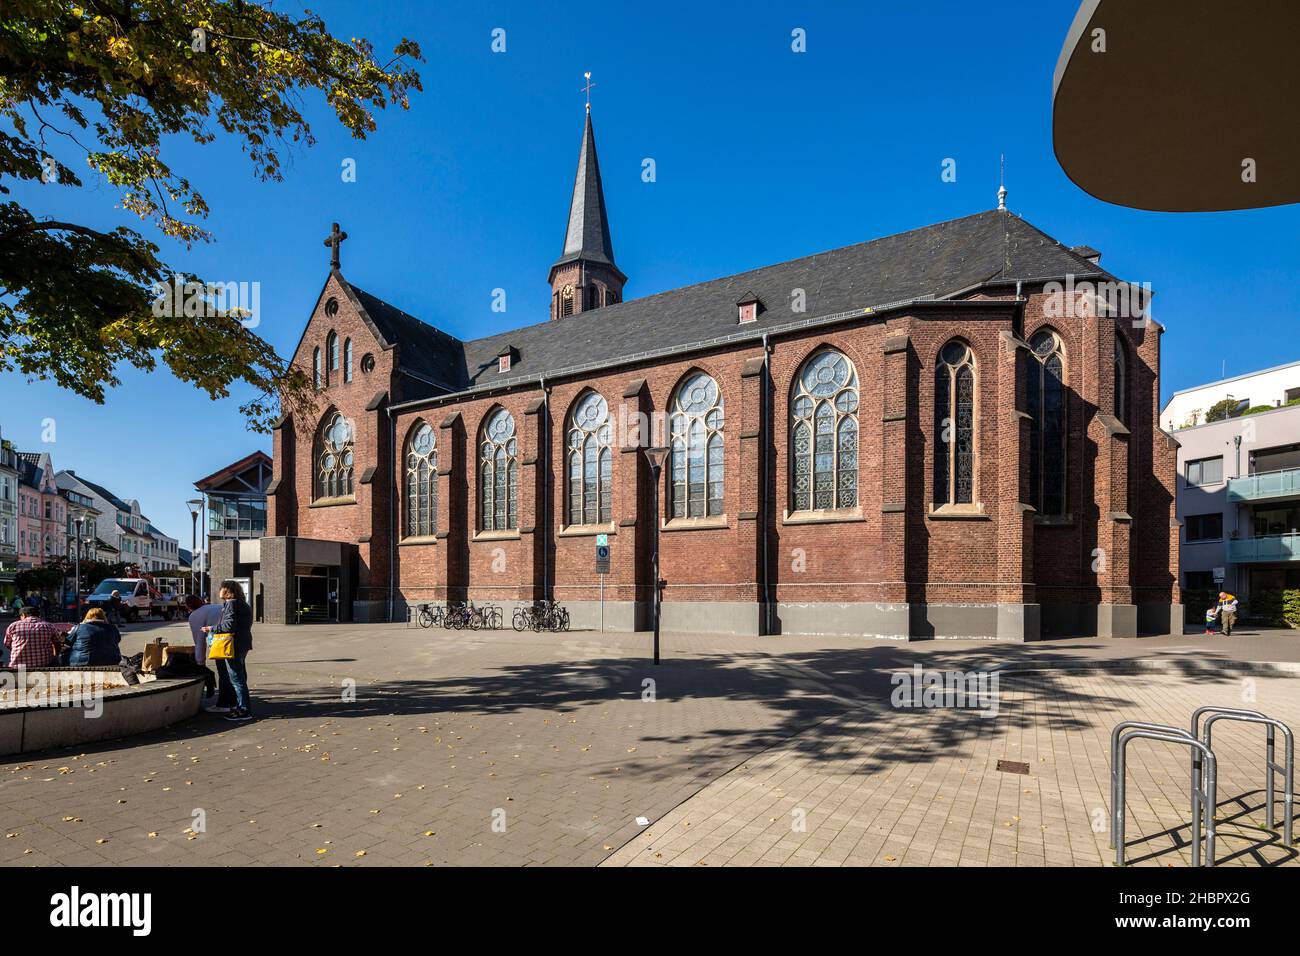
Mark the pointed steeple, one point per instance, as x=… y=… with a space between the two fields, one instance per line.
x=585 y=276
x=587 y=236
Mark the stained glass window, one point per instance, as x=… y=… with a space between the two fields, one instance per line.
x=421 y=482
x=498 y=473
x=347 y=360
x=334 y=457
x=696 y=462
x=954 y=425
x=1046 y=407
x=590 y=485
x=824 y=434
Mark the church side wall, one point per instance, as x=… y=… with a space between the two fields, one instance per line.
x=892 y=566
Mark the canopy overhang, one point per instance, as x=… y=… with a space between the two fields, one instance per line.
x=1181 y=105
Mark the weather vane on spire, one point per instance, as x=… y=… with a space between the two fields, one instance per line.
x=587 y=89
x=1002 y=181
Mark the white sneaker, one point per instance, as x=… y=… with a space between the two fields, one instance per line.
x=218 y=710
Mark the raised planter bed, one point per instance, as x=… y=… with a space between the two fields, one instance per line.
x=66 y=706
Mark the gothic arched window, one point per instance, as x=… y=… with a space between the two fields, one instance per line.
x=1121 y=380
x=332 y=353
x=334 y=457
x=347 y=360
x=498 y=473
x=696 y=461
x=589 y=463
x=1046 y=399
x=315 y=368
x=421 y=482
x=824 y=434
x=954 y=425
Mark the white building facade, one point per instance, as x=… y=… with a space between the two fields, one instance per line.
x=1238 y=492
x=1273 y=387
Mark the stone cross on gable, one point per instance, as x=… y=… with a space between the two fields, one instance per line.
x=334 y=241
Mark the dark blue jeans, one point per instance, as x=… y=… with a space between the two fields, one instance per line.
x=233 y=676
x=225 y=692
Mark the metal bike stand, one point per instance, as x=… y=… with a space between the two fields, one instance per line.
x=1114 y=761
x=1203 y=800
x=1271 y=766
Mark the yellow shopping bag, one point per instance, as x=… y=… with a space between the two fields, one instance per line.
x=221 y=647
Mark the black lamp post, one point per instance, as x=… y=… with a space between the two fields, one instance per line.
x=80 y=523
x=194 y=505
x=656 y=457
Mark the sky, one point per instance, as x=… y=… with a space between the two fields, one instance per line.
x=761 y=155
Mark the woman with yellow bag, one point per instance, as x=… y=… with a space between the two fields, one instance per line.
x=229 y=643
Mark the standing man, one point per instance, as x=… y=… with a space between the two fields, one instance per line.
x=33 y=642
x=115 y=608
x=204 y=617
x=1227 y=611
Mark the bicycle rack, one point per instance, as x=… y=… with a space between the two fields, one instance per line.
x=1271 y=766
x=1115 y=801
x=1203 y=800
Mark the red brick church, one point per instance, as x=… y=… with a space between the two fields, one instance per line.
x=905 y=438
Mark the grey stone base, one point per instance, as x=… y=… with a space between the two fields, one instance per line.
x=889 y=621
x=619 y=615
x=376 y=612
x=1079 y=619
x=712 y=617
x=1020 y=622
x=912 y=622
x=1160 y=619
x=1117 y=620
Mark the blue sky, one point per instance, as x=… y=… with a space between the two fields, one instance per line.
x=762 y=155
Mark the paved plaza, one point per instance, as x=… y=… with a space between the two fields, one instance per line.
x=383 y=745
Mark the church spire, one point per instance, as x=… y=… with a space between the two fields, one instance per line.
x=585 y=276
x=587 y=235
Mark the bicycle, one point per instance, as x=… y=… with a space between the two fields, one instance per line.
x=457 y=617
x=431 y=614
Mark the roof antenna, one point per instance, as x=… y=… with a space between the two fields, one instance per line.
x=1002 y=187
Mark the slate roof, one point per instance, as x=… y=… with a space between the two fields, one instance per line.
x=587 y=234
x=937 y=261
x=424 y=350
x=104 y=493
x=29 y=472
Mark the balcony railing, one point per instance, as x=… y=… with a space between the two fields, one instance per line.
x=1277 y=547
x=1269 y=484
x=236 y=527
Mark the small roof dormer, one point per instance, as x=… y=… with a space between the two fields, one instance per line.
x=506 y=359
x=748 y=308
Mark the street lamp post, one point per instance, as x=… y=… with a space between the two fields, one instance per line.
x=194 y=504
x=655 y=457
x=80 y=521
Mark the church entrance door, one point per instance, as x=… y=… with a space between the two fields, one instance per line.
x=318 y=599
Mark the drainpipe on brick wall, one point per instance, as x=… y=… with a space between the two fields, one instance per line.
x=544 y=441
x=392 y=498
x=764 y=429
